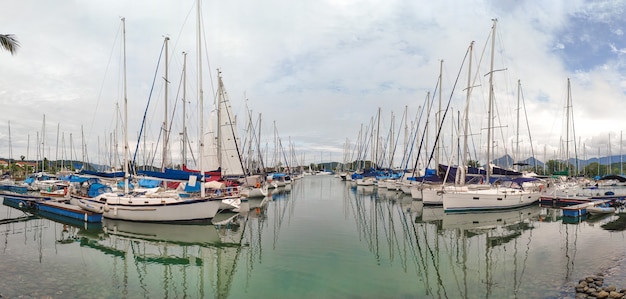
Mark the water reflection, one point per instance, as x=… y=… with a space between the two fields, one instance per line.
x=141 y=260
x=459 y=255
x=318 y=238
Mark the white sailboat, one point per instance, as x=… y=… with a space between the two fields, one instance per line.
x=153 y=207
x=503 y=194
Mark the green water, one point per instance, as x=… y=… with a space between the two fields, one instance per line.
x=320 y=238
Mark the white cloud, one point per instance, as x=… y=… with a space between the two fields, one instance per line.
x=319 y=69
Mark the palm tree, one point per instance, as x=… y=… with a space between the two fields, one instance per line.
x=9 y=43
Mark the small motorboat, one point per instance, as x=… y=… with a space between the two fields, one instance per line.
x=600 y=210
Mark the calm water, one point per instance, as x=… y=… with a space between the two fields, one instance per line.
x=321 y=238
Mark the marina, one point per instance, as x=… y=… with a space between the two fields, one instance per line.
x=318 y=237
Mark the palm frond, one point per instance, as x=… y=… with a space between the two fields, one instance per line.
x=9 y=43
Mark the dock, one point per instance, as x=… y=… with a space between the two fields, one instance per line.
x=580 y=209
x=58 y=206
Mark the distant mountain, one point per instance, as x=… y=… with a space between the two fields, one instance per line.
x=507 y=160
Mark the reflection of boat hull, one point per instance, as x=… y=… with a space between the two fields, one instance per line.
x=186 y=234
x=90 y=226
x=432 y=213
x=489 y=219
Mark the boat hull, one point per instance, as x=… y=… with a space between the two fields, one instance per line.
x=483 y=200
x=159 y=209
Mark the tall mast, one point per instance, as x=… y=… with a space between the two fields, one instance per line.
x=569 y=90
x=519 y=88
x=10 y=152
x=201 y=104
x=43 y=144
x=466 y=124
x=219 y=118
x=165 y=131
x=490 y=111
x=184 y=108
x=126 y=171
x=439 y=124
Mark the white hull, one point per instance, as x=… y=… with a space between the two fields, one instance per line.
x=254 y=192
x=88 y=206
x=369 y=181
x=600 y=210
x=230 y=203
x=491 y=199
x=158 y=209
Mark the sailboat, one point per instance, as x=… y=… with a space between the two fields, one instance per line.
x=153 y=207
x=504 y=193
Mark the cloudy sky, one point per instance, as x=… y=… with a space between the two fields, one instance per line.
x=316 y=70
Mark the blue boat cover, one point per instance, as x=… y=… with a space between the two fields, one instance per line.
x=96 y=189
x=146 y=183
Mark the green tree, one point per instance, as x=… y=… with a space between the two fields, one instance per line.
x=9 y=43
x=473 y=163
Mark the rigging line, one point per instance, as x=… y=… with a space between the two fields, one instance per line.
x=93 y=116
x=395 y=146
x=532 y=148
x=447 y=107
x=232 y=130
x=418 y=117
x=143 y=120
x=257 y=142
x=169 y=130
x=419 y=149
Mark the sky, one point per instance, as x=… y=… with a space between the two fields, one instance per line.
x=320 y=75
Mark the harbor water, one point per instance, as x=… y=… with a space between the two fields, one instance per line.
x=318 y=238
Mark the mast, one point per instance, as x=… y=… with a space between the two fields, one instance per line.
x=43 y=144
x=519 y=87
x=126 y=171
x=569 y=90
x=56 y=154
x=201 y=104
x=10 y=152
x=463 y=172
x=439 y=124
x=165 y=132
x=490 y=111
x=219 y=119
x=184 y=108
x=376 y=154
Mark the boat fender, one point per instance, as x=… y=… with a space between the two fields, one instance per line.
x=541 y=188
x=258 y=185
